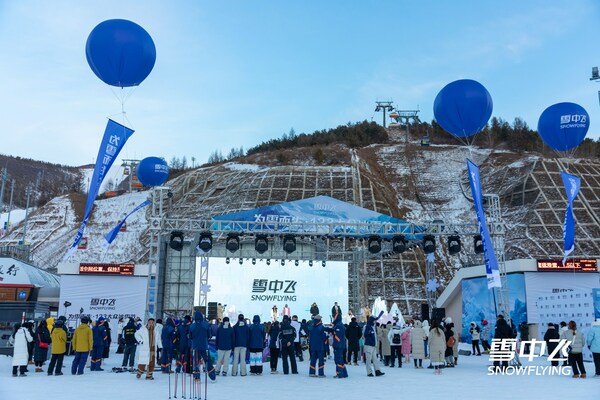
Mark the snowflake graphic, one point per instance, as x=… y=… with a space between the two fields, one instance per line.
x=432 y=285
x=204 y=288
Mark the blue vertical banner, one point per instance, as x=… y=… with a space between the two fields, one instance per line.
x=115 y=137
x=110 y=236
x=572 y=184
x=596 y=297
x=491 y=263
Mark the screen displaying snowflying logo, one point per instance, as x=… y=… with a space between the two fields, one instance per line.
x=102 y=304
x=282 y=290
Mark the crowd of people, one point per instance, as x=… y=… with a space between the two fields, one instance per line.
x=182 y=346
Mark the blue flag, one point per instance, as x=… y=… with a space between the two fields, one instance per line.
x=110 y=236
x=572 y=185
x=115 y=136
x=491 y=263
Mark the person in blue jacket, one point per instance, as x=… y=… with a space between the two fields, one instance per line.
x=317 y=338
x=199 y=332
x=167 y=339
x=287 y=336
x=593 y=343
x=242 y=340
x=99 y=337
x=339 y=343
x=370 y=335
x=256 y=346
x=224 y=342
x=182 y=334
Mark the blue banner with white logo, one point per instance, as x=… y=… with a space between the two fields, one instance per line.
x=115 y=136
x=491 y=263
x=110 y=236
x=572 y=184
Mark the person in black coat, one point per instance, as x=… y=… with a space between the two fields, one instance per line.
x=502 y=331
x=42 y=339
x=353 y=334
x=551 y=333
x=314 y=310
x=287 y=337
x=106 y=351
x=274 y=346
x=335 y=310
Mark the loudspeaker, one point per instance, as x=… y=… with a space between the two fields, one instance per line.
x=438 y=314
x=424 y=312
x=212 y=310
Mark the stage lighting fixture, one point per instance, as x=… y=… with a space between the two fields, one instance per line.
x=478 y=244
x=454 y=244
x=241 y=261
x=254 y=261
x=399 y=244
x=428 y=244
x=268 y=262
x=205 y=242
x=310 y=263
x=374 y=244
x=289 y=244
x=227 y=260
x=296 y=263
x=232 y=243
x=323 y=264
x=176 y=240
x=261 y=243
x=282 y=263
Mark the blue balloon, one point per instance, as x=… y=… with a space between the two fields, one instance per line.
x=463 y=107
x=563 y=126
x=152 y=171
x=120 y=52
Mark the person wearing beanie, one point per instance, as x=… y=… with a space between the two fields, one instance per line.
x=100 y=337
x=593 y=343
x=129 y=344
x=317 y=337
x=199 y=334
x=298 y=327
x=224 y=343
x=82 y=344
x=475 y=336
x=485 y=336
x=256 y=346
x=287 y=337
x=241 y=340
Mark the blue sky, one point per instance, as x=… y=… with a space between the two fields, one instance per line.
x=235 y=73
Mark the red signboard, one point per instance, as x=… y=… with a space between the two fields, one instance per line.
x=572 y=265
x=106 y=269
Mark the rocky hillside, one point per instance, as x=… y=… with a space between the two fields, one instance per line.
x=405 y=180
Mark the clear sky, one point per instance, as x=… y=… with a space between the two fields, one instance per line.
x=235 y=73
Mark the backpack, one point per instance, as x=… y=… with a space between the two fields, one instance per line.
x=396 y=339
x=451 y=341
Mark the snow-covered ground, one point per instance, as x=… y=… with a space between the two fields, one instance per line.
x=469 y=379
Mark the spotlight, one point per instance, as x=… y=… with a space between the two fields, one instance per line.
x=310 y=263
x=428 y=244
x=399 y=244
x=254 y=261
x=478 y=244
x=296 y=263
x=374 y=244
x=261 y=243
x=241 y=261
x=268 y=262
x=176 y=240
x=454 y=245
x=232 y=243
x=227 y=260
x=289 y=244
x=205 y=242
x=323 y=264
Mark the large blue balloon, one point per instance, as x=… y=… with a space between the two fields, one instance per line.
x=152 y=171
x=120 y=52
x=563 y=126
x=463 y=107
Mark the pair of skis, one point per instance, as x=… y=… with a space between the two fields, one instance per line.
x=195 y=377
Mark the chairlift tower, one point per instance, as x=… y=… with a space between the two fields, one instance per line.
x=404 y=117
x=596 y=77
x=384 y=107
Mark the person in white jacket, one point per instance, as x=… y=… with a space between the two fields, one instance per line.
x=21 y=338
x=148 y=340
